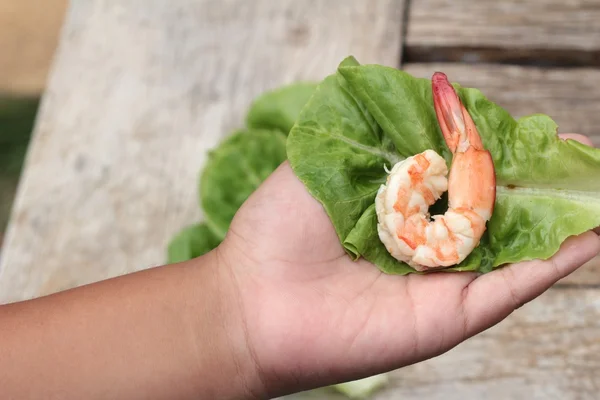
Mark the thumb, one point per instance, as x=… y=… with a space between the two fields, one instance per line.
x=576 y=136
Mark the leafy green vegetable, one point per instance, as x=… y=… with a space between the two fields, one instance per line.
x=17 y=116
x=193 y=241
x=234 y=170
x=278 y=109
x=238 y=165
x=363 y=118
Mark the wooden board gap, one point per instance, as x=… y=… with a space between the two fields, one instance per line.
x=404 y=31
x=533 y=57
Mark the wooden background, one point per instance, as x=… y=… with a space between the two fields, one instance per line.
x=141 y=89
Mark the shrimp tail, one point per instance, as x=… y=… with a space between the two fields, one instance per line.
x=472 y=165
x=455 y=121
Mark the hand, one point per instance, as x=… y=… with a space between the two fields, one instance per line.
x=312 y=317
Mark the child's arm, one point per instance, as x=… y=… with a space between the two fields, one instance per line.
x=165 y=333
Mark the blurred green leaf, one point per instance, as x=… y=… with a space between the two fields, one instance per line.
x=191 y=242
x=17 y=118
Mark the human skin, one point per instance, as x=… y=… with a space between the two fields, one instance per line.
x=277 y=308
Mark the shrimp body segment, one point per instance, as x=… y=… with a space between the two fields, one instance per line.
x=413 y=185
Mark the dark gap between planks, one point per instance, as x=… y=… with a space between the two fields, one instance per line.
x=548 y=58
x=404 y=31
x=582 y=286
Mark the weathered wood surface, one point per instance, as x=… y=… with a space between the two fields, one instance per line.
x=510 y=23
x=549 y=349
x=534 y=31
x=29 y=32
x=570 y=96
x=139 y=91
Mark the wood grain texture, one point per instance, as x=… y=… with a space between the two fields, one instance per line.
x=570 y=96
x=552 y=31
x=138 y=93
x=511 y=23
x=548 y=349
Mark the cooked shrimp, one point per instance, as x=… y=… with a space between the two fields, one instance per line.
x=414 y=184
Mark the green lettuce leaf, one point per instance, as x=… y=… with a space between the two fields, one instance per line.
x=363 y=118
x=191 y=242
x=234 y=170
x=278 y=109
x=239 y=164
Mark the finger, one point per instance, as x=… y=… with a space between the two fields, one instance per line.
x=576 y=136
x=493 y=296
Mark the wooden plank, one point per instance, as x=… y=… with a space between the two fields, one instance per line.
x=550 y=31
x=570 y=96
x=139 y=91
x=29 y=32
x=587 y=276
x=548 y=349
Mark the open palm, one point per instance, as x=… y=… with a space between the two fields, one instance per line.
x=314 y=315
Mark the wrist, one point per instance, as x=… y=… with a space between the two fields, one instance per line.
x=223 y=352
